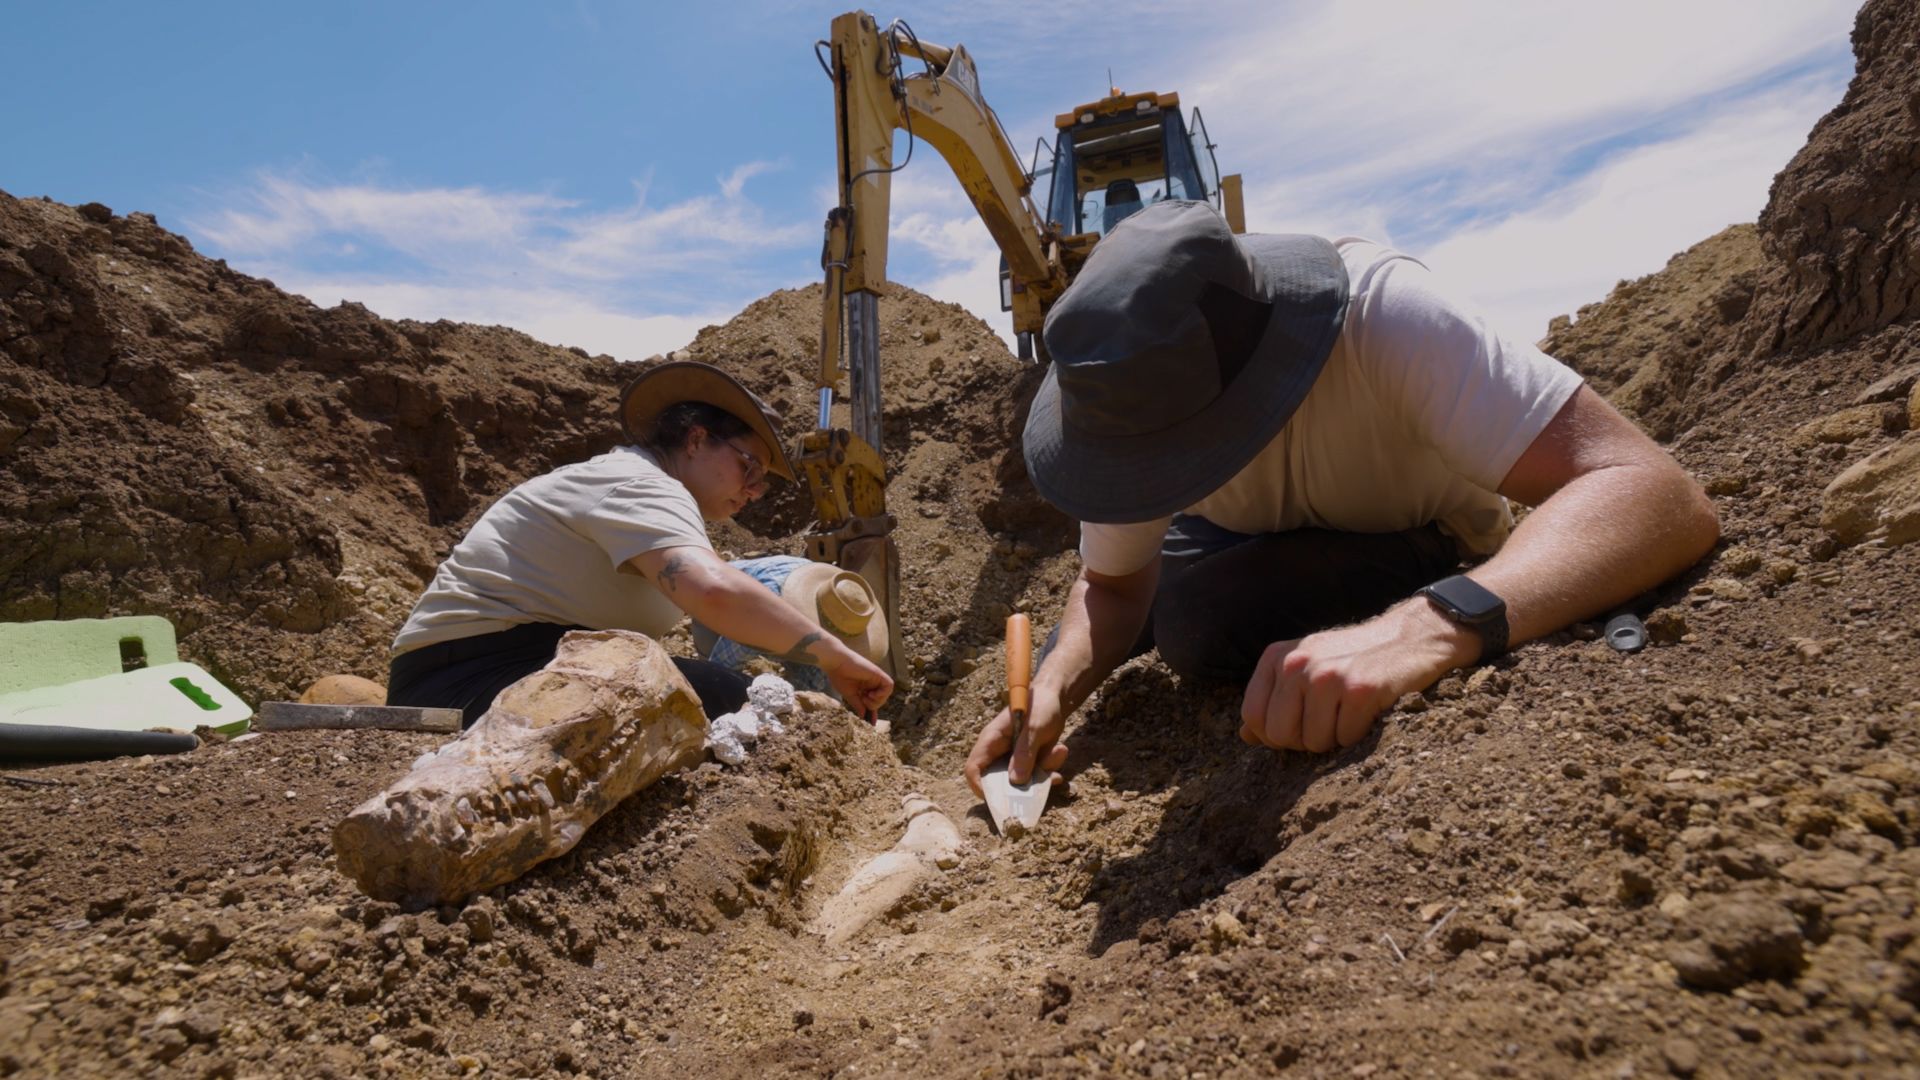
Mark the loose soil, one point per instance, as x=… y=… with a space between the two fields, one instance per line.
x=1696 y=860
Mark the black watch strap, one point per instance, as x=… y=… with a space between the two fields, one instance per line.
x=1472 y=605
x=1493 y=638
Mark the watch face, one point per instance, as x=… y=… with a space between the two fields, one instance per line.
x=1468 y=598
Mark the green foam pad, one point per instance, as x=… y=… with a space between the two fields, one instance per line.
x=177 y=696
x=38 y=654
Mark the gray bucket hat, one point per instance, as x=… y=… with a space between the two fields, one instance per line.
x=1178 y=354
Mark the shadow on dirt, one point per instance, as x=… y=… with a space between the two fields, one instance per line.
x=1231 y=805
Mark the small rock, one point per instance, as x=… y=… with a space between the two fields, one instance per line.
x=167 y=1044
x=1725 y=589
x=1830 y=871
x=1879 y=494
x=208 y=938
x=1892 y=387
x=1055 y=994
x=201 y=1026
x=479 y=918
x=1226 y=932
x=1635 y=884
x=1845 y=426
x=1423 y=842
x=802 y=1018
x=1740 y=561
x=1681 y=1055
x=98 y=213
x=1738 y=939
x=1666 y=626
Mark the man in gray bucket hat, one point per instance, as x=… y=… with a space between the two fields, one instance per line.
x=1280 y=450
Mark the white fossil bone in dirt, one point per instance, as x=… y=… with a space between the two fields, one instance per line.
x=728 y=735
x=772 y=697
x=931 y=842
x=608 y=716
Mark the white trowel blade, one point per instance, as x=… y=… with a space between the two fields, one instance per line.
x=1015 y=807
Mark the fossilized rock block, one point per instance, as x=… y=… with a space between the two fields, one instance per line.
x=1845 y=426
x=559 y=748
x=1878 y=495
x=931 y=842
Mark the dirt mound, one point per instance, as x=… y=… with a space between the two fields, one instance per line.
x=183 y=440
x=281 y=480
x=1698 y=859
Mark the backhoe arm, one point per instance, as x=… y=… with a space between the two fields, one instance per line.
x=874 y=98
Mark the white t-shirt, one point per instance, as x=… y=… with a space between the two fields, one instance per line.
x=554 y=550
x=1417 y=416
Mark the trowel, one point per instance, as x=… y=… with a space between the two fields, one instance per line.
x=1016 y=807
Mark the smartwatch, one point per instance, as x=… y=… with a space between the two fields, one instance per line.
x=1470 y=604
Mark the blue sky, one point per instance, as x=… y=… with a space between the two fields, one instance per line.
x=616 y=176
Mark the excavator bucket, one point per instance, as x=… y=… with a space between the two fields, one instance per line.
x=853 y=529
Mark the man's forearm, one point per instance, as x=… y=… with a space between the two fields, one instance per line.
x=1097 y=630
x=1603 y=538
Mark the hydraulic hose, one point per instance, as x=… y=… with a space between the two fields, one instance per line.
x=43 y=743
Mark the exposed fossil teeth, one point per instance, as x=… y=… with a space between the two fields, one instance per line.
x=545 y=796
x=465 y=812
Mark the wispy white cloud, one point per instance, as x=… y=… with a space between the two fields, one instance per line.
x=1350 y=92
x=285 y=212
x=631 y=280
x=1628 y=216
x=556 y=316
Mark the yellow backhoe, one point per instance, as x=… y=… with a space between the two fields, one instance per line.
x=1109 y=159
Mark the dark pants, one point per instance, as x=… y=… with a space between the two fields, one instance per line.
x=1225 y=596
x=466 y=673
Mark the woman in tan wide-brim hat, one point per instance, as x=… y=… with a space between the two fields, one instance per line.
x=620 y=542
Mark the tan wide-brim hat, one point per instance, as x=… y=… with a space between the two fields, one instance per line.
x=843 y=604
x=661 y=385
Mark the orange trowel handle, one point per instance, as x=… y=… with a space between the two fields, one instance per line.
x=1019 y=663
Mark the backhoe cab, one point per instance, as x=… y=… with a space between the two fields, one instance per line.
x=1111 y=159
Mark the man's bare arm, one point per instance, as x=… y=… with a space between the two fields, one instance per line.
x=1103 y=617
x=1613 y=515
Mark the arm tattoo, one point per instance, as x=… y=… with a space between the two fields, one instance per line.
x=669 y=574
x=801 y=652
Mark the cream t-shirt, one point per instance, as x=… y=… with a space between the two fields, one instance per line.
x=1417 y=416
x=554 y=550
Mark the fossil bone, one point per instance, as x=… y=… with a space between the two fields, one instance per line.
x=559 y=748
x=931 y=841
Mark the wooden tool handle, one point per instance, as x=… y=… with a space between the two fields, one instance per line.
x=1019 y=662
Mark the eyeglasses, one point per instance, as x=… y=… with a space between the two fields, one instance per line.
x=755 y=473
